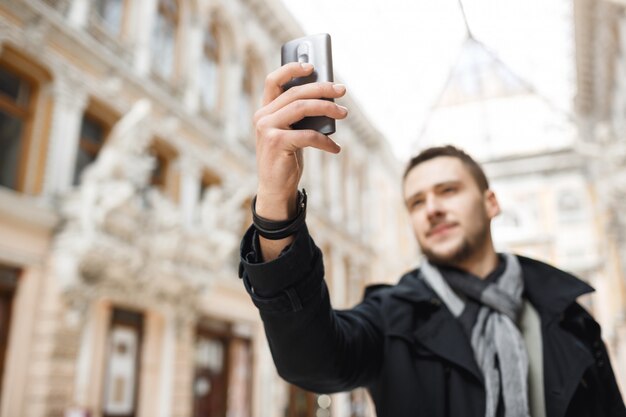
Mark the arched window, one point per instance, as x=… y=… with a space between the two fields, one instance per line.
x=164 y=39
x=111 y=13
x=210 y=69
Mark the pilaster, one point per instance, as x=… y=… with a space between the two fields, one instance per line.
x=78 y=13
x=189 y=190
x=193 y=57
x=69 y=105
x=334 y=181
x=143 y=13
x=231 y=82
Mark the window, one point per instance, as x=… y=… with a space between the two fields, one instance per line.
x=570 y=206
x=208 y=180
x=16 y=98
x=164 y=39
x=93 y=132
x=223 y=372
x=209 y=385
x=123 y=364
x=8 y=283
x=164 y=176
x=25 y=117
x=111 y=13
x=209 y=69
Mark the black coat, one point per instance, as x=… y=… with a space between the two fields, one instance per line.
x=406 y=347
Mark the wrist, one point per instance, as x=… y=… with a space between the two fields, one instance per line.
x=276 y=207
x=280 y=229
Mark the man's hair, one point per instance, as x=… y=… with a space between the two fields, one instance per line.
x=430 y=153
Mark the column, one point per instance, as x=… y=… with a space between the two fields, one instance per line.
x=189 y=190
x=69 y=105
x=167 y=367
x=334 y=181
x=193 y=55
x=143 y=13
x=352 y=204
x=78 y=14
x=231 y=80
x=85 y=360
x=340 y=278
x=367 y=203
x=312 y=178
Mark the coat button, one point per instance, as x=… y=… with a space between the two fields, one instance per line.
x=435 y=301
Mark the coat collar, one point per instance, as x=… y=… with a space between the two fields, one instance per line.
x=437 y=332
x=549 y=289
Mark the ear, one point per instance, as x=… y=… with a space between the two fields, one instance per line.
x=491 y=204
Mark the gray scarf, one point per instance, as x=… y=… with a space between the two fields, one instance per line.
x=497 y=342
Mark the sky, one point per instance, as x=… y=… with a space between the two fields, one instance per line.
x=394 y=56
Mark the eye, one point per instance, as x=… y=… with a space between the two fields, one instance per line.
x=417 y=202
x=448 y=190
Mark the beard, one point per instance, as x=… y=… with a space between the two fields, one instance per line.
x=468 y=247
x=461 y=253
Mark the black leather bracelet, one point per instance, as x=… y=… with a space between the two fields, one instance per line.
x=275 y=230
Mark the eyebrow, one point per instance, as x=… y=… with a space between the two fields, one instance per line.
x=435 y=186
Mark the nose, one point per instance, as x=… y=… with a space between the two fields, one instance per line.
x=433 y=207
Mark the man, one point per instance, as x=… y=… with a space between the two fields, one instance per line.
x=470 y=333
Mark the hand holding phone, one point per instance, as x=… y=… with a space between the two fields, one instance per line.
x=279 y=147
x=316 y=50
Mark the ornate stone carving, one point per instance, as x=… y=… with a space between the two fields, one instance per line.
x=123 y=238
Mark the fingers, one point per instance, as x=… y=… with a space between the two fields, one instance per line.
x=300 y=109
x=276 y=79
x=281 y=109
x=306 y=91
x=293 y=140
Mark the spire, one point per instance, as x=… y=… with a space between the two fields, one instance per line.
x=477 y=75
x=467 y=28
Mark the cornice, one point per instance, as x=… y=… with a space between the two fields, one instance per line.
x=549 y=162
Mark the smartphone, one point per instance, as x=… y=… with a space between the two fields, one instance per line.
x=314 y=49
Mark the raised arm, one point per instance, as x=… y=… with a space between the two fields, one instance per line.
x=279 y=148
x=314 y=346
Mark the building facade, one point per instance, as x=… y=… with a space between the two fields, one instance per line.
x=600 y=40
x=127 y=169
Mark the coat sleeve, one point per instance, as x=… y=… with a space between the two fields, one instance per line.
x=313 y=346
x=608 y=382
x=589 y=331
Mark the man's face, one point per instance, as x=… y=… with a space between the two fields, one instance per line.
x=451 y=216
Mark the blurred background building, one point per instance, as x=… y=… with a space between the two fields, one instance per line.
x=560 y=177
x=127 y=168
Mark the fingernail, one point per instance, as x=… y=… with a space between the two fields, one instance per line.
x=343 y=109
x=306 y=65
x=340 y=88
